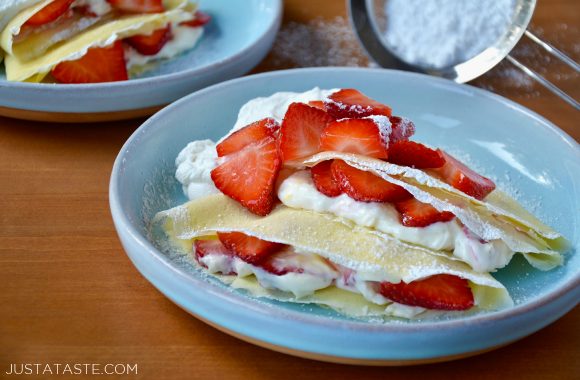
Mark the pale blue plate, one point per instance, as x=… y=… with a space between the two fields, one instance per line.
x=521 y=151
x=239 y=36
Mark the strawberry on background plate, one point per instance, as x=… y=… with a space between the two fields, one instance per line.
x=248 y=248
x=358 y=136
x=301 y=130
x=418 y=214
x=138 y=6
x=461 y=177
x=323 y=179
x=49 y=13
x=414 y=154
x=151 y=44
x=200 y=19
x=351 y=103
x=100 y=64
x=439 y=292
x=251 y=133
x=365 y=186
x=248 y=176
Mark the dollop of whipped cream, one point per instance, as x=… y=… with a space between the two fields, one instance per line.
x=194 y=165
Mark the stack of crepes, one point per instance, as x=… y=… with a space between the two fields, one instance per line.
x=322 y=197
x=88 y=41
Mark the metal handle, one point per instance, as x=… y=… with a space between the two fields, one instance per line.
x=540 y=79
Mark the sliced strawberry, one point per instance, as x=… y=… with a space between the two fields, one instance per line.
x=151 y=44
x=138 y=6
x=49 y=13
x=280 y=263
x=458 y=175
x=350 y=103
x=419 y=214
x=414 y=154
x=365 y=186
x=249 y=134
x=301 y=130
x=359 y=136
x=323 y=180
x=440 y=292
x=248 y=176
x=248 y=248
x=200 y=19
x=402 y=127
x=214 y=247
x=318 y=104
x=100 y=64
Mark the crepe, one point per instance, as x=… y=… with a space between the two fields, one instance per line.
x=363 y=250
x=33 y=67
x=496 y=217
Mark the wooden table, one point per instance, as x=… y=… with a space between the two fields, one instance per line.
x=68 y=293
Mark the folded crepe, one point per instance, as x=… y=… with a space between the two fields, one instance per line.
x=497 y=217
x=368 y=256
x=31 y=53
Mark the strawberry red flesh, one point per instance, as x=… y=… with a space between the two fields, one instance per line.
x=278 y=264
x=138 y=6
x=414 y=154
x=49 y=13
x=323 y=179
x=100 y=64
x=301 y=130
x=214 y=247
x=317 y=103
x=200 y=19
x=249 y=134
x=402 y=127
x=438 y=292
x=248 y=248
x=248 y=176
x=418 y=214
x=458 y=175
x=151 y=44
x=359 y=136
x=365 y=186
x=350 y=103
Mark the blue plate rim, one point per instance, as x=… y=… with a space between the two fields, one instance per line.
x=120 y=218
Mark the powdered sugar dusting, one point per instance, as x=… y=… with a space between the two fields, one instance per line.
x=319 y=42
x=385 y=127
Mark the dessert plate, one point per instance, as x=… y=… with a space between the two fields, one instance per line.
x=238 y=37
x=477 y=126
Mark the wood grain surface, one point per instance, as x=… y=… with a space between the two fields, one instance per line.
x=69 y=294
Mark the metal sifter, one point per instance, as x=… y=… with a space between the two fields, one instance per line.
x=369 y=20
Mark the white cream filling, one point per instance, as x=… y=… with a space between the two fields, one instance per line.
x=194 y=165
x=317 y=274
x=184 y=38
x=98 y=7
x=299 y=191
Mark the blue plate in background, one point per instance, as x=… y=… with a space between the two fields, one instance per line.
x=524 y=154
x=239 y=36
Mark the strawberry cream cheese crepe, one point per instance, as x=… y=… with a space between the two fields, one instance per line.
x=89 y=41
x=327 y=189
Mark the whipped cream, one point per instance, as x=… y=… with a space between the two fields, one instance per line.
x=312 y=273
x=275 y=106
x=299 y=191
x=98 y=7
x=194 y=165
x=184 y=38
